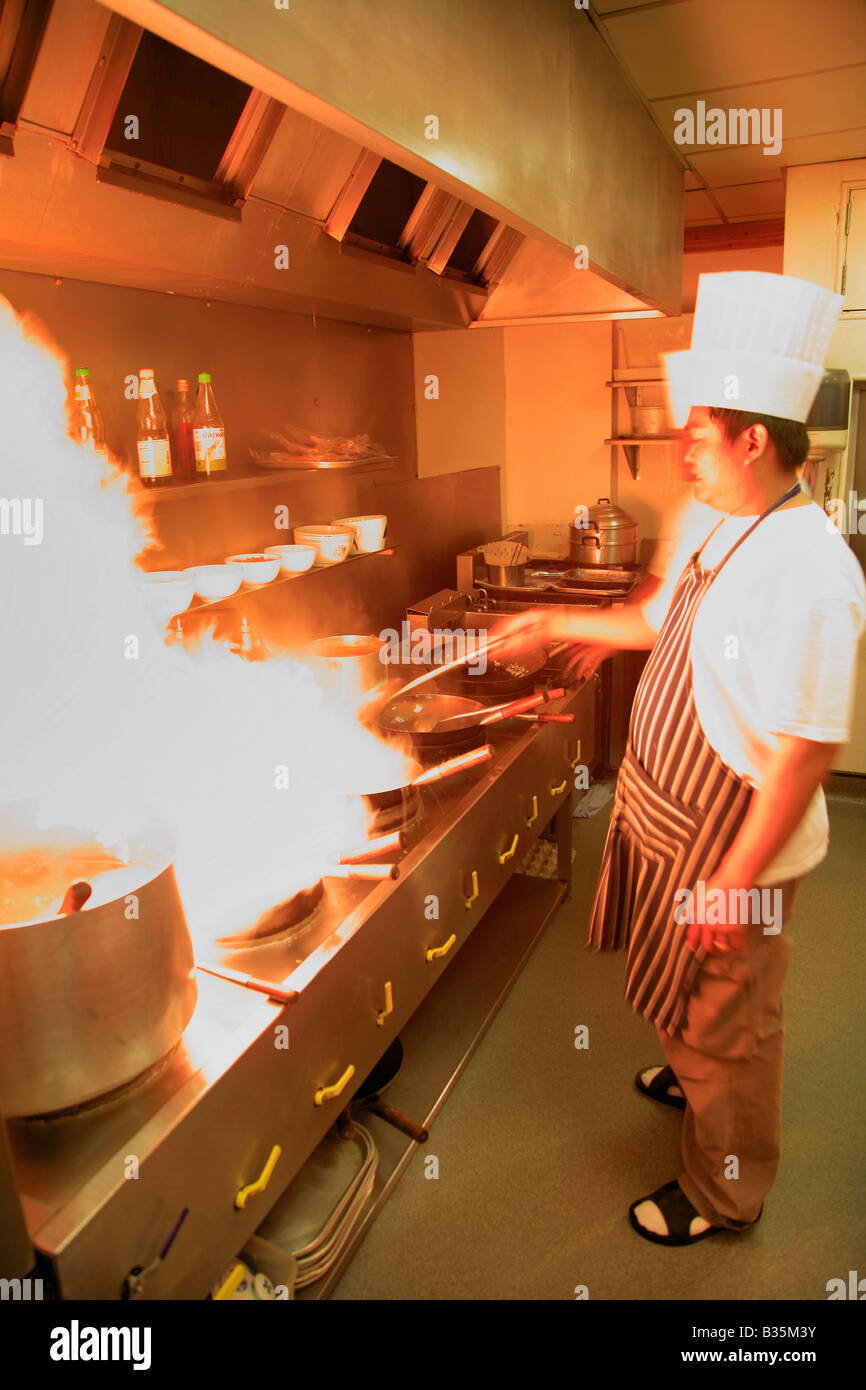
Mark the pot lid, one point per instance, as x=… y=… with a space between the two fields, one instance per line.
x=607 y=515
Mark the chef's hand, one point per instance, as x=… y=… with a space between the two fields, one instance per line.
x=584 y=661
x=717 y=939
x=536 y=627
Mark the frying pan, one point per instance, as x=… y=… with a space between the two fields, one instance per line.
x=431 y=720
x=382 y=797
x=505 y=678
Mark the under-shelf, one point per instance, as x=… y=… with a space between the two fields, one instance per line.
x=639 y=381
x=630 y=443
x=643 y=439
x=260 y=477
x=200 y=605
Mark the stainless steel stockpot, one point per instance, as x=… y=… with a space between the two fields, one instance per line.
x=91 y=1000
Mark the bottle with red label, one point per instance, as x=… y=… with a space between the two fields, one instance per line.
x=152 y=444
x=209 y=434
x=182 y=442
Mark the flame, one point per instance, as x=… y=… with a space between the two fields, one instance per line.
x=107 y=729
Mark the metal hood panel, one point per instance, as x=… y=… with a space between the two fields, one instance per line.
x=533 y=121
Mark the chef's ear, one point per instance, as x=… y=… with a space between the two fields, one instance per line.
x=754 y=441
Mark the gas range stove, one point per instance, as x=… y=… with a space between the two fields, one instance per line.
x=203 y=1146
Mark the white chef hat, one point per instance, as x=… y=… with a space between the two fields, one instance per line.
x=758 y=344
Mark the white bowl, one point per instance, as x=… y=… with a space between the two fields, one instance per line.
x=216 y=581
x=294 y=559
x=332 y=543
x=255 y=566
x=168 y=592
x=369 y=532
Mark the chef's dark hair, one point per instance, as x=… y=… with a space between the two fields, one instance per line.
x=790 y=437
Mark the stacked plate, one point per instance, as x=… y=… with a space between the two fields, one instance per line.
x=314 y=1219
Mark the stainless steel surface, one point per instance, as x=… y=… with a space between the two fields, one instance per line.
x=560 y=156
x=16 y=1252
x=89 y=1002
x=444 y=1032
x=232 y=1090
x=506 y=574
x=350 y=664
x=609 y=538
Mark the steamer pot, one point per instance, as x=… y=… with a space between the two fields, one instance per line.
x=609 y=538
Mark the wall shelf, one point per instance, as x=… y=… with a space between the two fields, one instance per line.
x=639 y=381
x=631 y=443
x=207 y=605
x=260 y=477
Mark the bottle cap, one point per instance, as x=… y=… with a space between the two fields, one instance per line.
x=82 y=371
x=204 y=376
x=182 y=384
x=145 y=373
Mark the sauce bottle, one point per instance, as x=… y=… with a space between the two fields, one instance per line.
x=87 y=423
x=182 y=442
x=208 y=431
x=154 y=450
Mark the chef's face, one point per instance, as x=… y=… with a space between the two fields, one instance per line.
x=712 y=464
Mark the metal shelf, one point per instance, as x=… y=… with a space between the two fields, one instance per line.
x=631 y=443
x=261 y=477
x=639 y=381
x=201 y=605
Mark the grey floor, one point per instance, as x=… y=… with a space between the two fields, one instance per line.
x=542 y=1147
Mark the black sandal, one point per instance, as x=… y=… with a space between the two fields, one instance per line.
x=679 y=1214
x=658 y=1087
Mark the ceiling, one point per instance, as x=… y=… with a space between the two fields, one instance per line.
x=804 y=58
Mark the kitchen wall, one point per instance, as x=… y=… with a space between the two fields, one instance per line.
x=814 y=206
x=330 y=377
x=532 y=400
x=269 y=366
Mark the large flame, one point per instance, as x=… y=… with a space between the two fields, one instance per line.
x=106 y=728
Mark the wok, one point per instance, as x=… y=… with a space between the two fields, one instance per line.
x=385 y=796
x=432 y=720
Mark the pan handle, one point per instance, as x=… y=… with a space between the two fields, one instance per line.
x=453 y=765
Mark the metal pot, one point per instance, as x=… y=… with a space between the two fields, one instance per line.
x=90 y=1001
x=507 y=576
x=350 y=665
x=609 y=537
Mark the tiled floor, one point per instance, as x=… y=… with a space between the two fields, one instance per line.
x=542 y=1146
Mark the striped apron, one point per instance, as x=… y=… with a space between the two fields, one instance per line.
x=677 y=811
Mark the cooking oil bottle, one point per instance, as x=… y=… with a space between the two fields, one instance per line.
x=87 y=423
x=208 y=431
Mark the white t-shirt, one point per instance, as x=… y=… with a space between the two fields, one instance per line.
x=774 y=647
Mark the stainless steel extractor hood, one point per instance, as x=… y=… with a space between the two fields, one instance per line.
x=447 y=192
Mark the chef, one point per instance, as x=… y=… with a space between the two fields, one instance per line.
x=744 y=702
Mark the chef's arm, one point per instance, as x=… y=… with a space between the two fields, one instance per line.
x=623 y=628
x=792 y=776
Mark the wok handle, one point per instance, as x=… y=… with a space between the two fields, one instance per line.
x=515 y=707
x=458 y=764
x=547 y=718
x=235 y=977
x=401 y=1122
x=75 y=898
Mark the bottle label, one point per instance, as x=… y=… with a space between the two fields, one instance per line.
x=210 y=449
x=154 y=458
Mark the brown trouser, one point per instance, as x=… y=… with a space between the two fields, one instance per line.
x=727 y=1059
